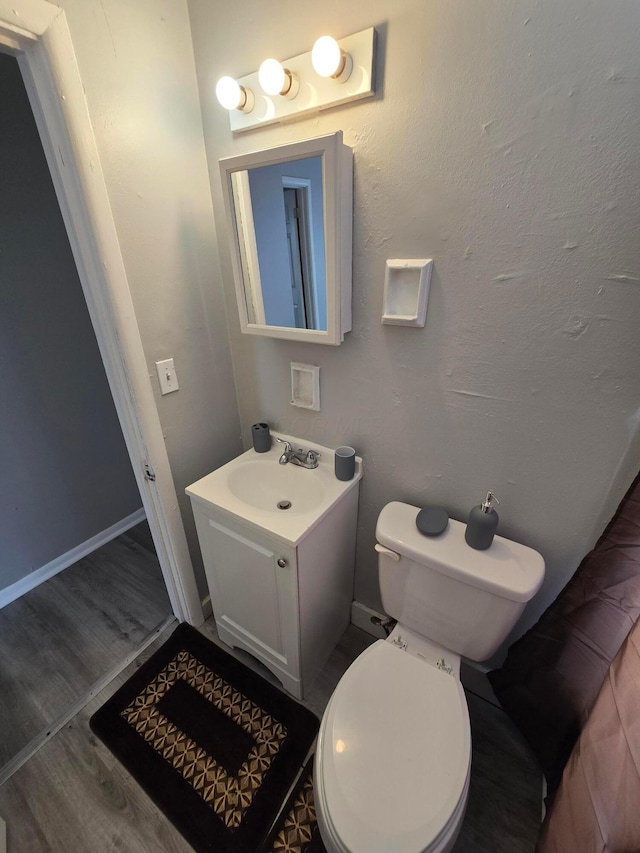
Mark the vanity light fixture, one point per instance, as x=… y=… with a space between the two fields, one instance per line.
x=275 y=79
x=233 y=96
x=289 y=88
x=329 y=60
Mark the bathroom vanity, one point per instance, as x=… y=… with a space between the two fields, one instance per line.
x=278 y=544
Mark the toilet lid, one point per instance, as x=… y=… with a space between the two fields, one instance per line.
x=394 y=752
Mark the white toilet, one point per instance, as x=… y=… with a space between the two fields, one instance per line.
x=393 y=760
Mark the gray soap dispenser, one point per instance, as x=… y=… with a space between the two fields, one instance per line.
x=482 y=523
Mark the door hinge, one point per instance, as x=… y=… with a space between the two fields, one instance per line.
x=149 y=473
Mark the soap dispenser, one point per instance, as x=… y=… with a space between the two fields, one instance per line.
x=482 y=523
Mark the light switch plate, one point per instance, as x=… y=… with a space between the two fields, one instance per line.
x=167 y=376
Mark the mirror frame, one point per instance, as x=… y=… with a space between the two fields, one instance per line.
x=337 y=185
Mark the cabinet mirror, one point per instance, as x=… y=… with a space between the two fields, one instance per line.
x=289 y=218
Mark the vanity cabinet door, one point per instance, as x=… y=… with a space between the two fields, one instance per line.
x=253 y=584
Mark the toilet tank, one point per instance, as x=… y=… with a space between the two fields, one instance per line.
x=460 y=598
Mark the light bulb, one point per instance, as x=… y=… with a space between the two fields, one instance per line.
x=329 y=60
x=229 y=93
x=233 y=96
x=274 y=79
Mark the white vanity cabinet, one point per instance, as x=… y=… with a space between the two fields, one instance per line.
x=253 y=585
x=285 y=602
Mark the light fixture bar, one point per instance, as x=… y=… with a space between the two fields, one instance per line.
x=315 y=92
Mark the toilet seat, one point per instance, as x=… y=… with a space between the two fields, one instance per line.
x=393 y=758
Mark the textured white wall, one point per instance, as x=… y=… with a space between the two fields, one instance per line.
x=502 y=142
x=136 y=63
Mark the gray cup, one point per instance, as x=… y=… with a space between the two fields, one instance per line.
x=345 y=463
x=261 y=438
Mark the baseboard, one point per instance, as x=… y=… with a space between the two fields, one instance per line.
x=207 y=607
x=35 y=578
x=361 y=618
x=472 y=675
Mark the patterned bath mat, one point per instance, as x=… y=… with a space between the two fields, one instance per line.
x=297 y=829
x=214 y=745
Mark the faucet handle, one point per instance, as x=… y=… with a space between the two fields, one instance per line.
x=287 y=445
x=312 y=456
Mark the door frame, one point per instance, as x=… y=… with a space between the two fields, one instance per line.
x=303 y=188
x=37 y=34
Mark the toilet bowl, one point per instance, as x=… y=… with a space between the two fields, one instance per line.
x=393 y=760
x=394 y=754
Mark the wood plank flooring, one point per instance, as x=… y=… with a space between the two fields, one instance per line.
x=74 y=797
x=505 y=794
x=60 y=638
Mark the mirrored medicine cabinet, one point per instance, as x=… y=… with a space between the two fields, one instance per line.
x=289 y=218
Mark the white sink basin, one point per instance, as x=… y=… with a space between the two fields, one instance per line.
x=285 y=500
x=275 y=488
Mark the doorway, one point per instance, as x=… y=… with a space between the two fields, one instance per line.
x=299 y=244
x=43 y=47
x=44 y=51
x=81 y=588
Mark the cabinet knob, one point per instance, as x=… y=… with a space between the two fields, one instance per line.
x=282 y=562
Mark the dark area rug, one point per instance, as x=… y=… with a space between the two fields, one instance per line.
x=296 y=830
x=214 y=745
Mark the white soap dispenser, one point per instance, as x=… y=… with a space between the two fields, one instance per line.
x=482 y=524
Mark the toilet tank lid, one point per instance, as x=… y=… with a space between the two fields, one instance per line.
x=506 y=568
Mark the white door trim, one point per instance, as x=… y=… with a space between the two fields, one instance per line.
x=36 y=32
x=248 y=245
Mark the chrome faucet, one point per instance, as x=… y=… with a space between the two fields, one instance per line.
x=300 y=457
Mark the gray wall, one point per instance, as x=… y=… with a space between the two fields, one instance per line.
x=66 y=474
x=137 y=67
x=503 y=143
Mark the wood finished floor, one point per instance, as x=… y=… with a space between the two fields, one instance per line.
x=60 y=638
x=74 y=797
